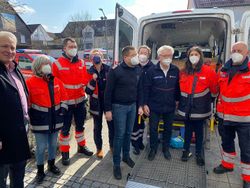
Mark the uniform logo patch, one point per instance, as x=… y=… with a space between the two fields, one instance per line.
x=170 y=76
x=203 y=78
x=246 y=77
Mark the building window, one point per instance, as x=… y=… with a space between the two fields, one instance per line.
x=88 y=45
x=88 y=35
x=23 y=41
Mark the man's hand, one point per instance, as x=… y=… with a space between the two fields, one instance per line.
x=95 y=76
x=140 y=111
x=146 y=110
x=1 y=145
x=108 y=116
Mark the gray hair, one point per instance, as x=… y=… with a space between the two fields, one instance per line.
x=165 y=47
x=38 y=62
x=8 y=34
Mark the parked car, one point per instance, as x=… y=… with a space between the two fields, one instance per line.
x=25 y=57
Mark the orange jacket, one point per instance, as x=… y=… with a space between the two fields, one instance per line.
x=195 y=101
x=48 y=101
x=235 y=95
x=74 y=77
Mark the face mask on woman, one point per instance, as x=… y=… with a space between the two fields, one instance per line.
x=194 y=59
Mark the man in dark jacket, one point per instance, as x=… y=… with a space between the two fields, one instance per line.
x=120 y=104
x=95 y=89
x=137 y=135
x=14 y=147
x=161 y=91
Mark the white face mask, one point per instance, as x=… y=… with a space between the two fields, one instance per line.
x=194 y=59
x=237 y=58
x=72 y=52
x=135 y=60
x=143 y=59
x=167 y=61
x=46 y=69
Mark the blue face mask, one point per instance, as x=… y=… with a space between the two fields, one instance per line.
x=97 y=59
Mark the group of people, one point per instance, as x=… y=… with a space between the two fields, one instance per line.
x=126 y=94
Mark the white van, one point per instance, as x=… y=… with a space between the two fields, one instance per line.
x=213 y=29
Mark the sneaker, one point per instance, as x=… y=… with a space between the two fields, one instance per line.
x=117 y=172
x=136 y=151
x=167 y=154
x=199 y=160
x=246 y=184
x=221 y=169
x=186 y=155
x=151 y=155
x=85 y=150
x=129 y=162
x=99 y=154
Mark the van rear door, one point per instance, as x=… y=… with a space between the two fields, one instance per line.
x=125 y=31
x=244 y=30
x=209 y=28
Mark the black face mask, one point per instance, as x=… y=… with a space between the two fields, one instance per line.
x=97 y=59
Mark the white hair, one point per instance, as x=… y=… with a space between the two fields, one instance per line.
x=37 y=63
x=165 y=47
x=8 y=34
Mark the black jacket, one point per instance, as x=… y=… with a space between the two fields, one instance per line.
x=160 y=92
x=143 y=71
x=12 y=129
x=121 y=86
x=96 y=100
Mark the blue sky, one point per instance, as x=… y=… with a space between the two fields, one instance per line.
x=55 y=14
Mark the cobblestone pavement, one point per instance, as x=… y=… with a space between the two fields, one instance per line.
x=92 y=172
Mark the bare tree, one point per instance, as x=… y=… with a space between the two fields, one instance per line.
x=77 y=22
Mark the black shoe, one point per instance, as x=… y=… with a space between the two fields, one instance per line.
x=65 y=158
x=129 y=162
x=246 y=184
x=221 y=169
x=141 y=147
x=117 y=172
x=151 y=155
x=53 y=168
x=136 y=151
x=186 y=155
x=167 y=154
x=200 y=160
x=40 y=175
x=85 y=150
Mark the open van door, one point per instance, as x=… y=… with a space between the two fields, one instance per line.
x=245 y=28
x=125 y=31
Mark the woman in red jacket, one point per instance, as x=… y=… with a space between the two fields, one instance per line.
x=48 y=103
x=198 y=84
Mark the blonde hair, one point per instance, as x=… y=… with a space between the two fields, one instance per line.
x=96 y=52
x=38 y=62
x=146 y=47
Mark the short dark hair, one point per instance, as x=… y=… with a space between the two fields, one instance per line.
x=66 y=40
x=125 y=50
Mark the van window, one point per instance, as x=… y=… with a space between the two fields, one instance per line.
x=24 y=63
x=125 y=36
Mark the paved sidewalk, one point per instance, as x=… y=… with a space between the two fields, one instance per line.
x=92 y=172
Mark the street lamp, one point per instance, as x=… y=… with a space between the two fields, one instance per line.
x=104 y=17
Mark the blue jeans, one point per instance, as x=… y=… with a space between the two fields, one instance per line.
x=16 y=172
x=42 y=141
x=123 y=117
